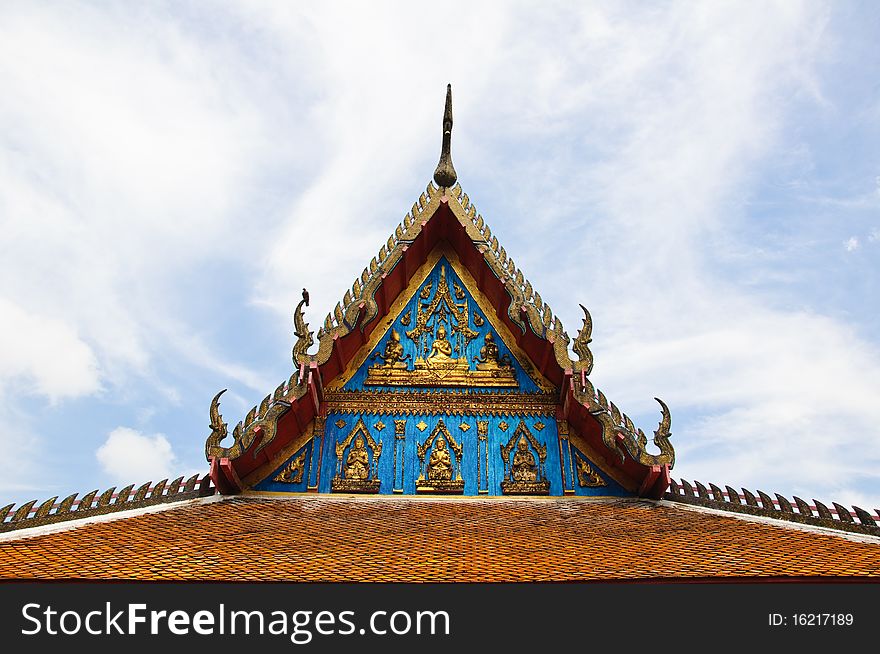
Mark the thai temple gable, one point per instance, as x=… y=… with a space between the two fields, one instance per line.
x=441 y=329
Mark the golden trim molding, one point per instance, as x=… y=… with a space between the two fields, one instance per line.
x=435 y=403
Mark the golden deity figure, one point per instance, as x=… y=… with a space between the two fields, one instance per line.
x=441 y=350
x=440 y=463
x=357 y=464
x=490 y=357
x=393 y=356
x=524 y=467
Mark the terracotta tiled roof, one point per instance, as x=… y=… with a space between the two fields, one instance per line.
x=320 y=538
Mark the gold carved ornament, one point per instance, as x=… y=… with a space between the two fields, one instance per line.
x=440 y=362
x=304 y=338
x=614 y=423
x=581 y=344
x=357 y=474
x=587 y=477
x=292 y=473
x=441 y=472
x=259 y=420
x=409 y=402
x=522 y=474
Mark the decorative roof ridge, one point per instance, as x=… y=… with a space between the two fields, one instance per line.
x=818 y=514
x=527 y=307
x=91 y=504
x=261 y=420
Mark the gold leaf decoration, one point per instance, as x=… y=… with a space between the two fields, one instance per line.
x=292 y=473
x=588 y=477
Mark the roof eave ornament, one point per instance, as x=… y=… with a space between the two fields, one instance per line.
x=445 y=174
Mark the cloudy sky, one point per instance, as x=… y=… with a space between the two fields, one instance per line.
x=705 y=177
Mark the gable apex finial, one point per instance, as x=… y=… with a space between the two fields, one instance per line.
x=445 y=174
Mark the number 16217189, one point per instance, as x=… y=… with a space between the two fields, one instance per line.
x=811 y=620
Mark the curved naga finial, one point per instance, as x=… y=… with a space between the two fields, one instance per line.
x=301 y=331
x=218 y=427
x=445 y=174
x=582 y=342
x=260 y=423
x=620 y=435
x=662 y=434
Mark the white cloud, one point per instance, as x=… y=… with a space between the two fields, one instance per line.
x=22 y=468
x=44 y=354
x=128 y=456
x=126 y=146
x=851 y=244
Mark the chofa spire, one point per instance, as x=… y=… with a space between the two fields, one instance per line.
x=445 y=174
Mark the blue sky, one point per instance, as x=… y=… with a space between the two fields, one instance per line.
x=704 y=177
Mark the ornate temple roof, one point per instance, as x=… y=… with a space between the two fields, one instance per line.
x=616 y=514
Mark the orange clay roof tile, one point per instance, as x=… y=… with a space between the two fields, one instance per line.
x=321 y=538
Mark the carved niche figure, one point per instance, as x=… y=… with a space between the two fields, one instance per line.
x=441 y=472
x=357 y=474
x=357 y=464
x=490 y=358
x=524 y=467
x=523 y=474
x=440 y=463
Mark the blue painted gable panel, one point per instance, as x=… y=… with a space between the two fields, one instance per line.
x=399 y=466
x=611 y=488
x=408 y=315
x=269 y=483
x=337 y=429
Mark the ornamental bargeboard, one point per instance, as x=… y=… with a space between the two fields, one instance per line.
x=441 y=371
